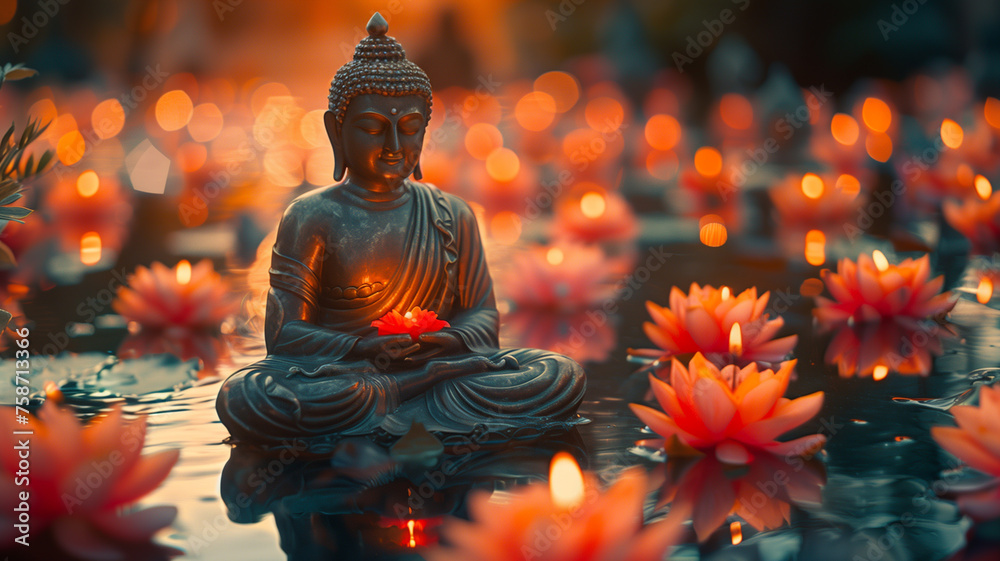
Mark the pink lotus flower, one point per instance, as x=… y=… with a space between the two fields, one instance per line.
x=977 y=220
x=761 y=493
x=730 y=410
x=811 y=201
x=565 y=277
x=159 y=298
x=83 y=479
x=595 y=216
x=415 y=322
x=901 y=345
x=866 y=291
x=976 y=441
x=601 y=526
x=702 y=320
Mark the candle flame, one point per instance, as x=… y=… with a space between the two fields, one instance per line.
x=90 y=248
x=983 y=187
x=815 y=250
x=555 y=256
x=593 y=205
x=985 y=290
x=812 y=186
x=183 y=272
x=413 y=539
x=881 y=263
x=725 y=293
x=565 y=482
x=736 y=340
x=736 y=530
x=408 y=315
x=880 y=372
x=52 y=392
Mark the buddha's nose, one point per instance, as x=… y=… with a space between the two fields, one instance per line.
x=392 y=142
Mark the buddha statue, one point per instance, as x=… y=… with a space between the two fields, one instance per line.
x=374 y=242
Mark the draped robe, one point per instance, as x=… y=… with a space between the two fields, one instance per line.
x=310 y=384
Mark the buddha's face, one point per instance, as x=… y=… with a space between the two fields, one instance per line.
x=381 y=139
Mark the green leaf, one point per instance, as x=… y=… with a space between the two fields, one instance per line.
x=18 y=72
x=43 y=162
x=13 y=212
x=11 y=199
x=6 y=137
x=7 y=260
x=5 y=318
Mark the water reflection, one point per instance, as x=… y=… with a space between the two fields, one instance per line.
x=899 y=345
x=359 y=502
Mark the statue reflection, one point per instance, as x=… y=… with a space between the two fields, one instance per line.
x=364 y=501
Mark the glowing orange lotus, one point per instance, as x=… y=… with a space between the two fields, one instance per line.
x=976 y=441
x=977 y=220
x=901 y=345
x=701 y=321
x=866 y=291
x=730 y=410
x=414 y=322
x=599 y=526
x=183 y=297
x=82 y=479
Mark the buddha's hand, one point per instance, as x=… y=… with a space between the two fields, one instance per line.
x=392 y=347
x=437 y=344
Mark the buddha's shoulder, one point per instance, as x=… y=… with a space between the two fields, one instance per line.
x=459 y=207
x=317 y=204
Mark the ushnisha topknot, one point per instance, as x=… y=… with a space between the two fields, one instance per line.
x=379 y=67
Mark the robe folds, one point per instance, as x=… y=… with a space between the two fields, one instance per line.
x=310 y=385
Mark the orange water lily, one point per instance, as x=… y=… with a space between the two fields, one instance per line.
x=869 y=291
x=976 y=441
x=83 y=480
x=730 y=411
x=702 y=319
x=186 y=296
x=415 y=322
x=978 y=220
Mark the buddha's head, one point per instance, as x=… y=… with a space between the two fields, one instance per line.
x=380 y=104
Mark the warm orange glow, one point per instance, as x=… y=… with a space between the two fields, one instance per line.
x=736 y=111
x=736 y=340
x=736 y=530
x=191 y=156
x=983 y=187
x=849 y=184
x=413 y=539
x=87 y=184
x=561 y=86
x=880 y=372
x=844 y=129
x=70 y=148
x=811 y=287
x=604 y=114
x=263 y=94
x=565 y=482
x=876 y=114
x=992 y=112
x=555 y=256
x=725 y=293
x=503 y=165
x=881 y=263
x=174 y=110
x=815 y=248
x=951 y=134
x=592 y=204
x=713 y=234
x=505 y=227
x=984 y=292
x=107 y=118
x=206 y=122
x=183 y=271
x=312 y=129
x=812 y=186
x=535 y=111
x=90 y=248
x=7 y=10
x=879 y=146
x=482 y=139
x=663 y=132
x=708 y=161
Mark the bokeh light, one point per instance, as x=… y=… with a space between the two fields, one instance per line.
x=604 y=114
x=535 y=111
x=503 y=165
x=708 y=161
x=736 y=111
x=951 y=134
x=812 y=186
x=174 y=110
x=876 y=114
x=206 y=122
x=663 y=132
x=107 y=118
x=844 y=129
x=482 y=139
x=88 y=183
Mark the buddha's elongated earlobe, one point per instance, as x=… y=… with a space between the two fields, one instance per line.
x=417 y=174
x=333 y=133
